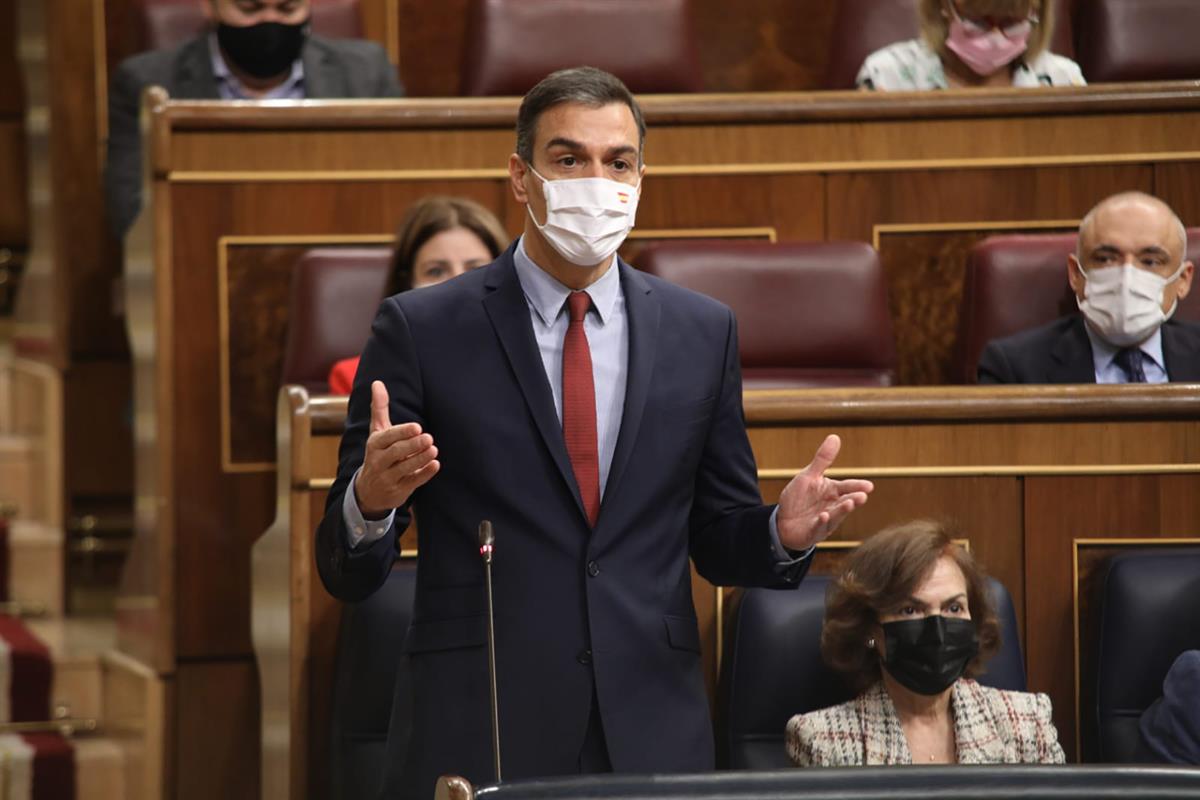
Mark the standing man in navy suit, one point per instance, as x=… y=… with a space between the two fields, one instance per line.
x=594 y=415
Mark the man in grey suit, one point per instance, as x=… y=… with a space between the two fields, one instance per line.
x=254 y=50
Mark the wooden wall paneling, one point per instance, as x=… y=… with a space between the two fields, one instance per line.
x=1179 y=185
x=791 y=205
x=1060 y=511
x=216 y=731
x=380 y=23
x=256 y=181
x=14 y=194
x=924 y=224
x=432 y=39
x=768 y=45
x=87 y=258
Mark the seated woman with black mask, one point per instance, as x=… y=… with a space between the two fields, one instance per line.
x=909 y=622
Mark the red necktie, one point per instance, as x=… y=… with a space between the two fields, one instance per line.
x=579 y=406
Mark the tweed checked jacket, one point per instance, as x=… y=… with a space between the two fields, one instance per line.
x=991 y=726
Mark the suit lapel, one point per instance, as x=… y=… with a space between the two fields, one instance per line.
x=1181 y=354
x=320 y=78
x=1073 y=355
x=193 y=72
x=642 y=312
x=508 y=311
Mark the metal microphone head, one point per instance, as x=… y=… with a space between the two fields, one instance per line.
x=487 y=540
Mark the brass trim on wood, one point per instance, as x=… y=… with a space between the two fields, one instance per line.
x=682 y=110
x=767 y=232
x=886 y=229
x=343 y=175
x=1076 y=544
x=692 y=170
x=988 y=471
x=872 y=407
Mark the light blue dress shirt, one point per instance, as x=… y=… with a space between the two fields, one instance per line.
x=230 y=88
x=1103 y=355
x=607 y=328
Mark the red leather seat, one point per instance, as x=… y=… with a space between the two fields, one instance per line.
x=335 y=294
x=860 y=28
x=1138 y=40
x=863 y=26
x=1015 y=283
x=808 y=314
x=164 y=23
x=513 y=44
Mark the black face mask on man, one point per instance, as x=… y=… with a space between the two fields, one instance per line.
x=265 y=49
x=928 y=655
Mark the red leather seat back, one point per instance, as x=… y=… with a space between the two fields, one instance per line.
x=335 y=294
x=863 y=26
x=1015 y=283
x=860 y=28
x=165 y=23
x=808 y=314
x=1138 y=40
x=513 y=44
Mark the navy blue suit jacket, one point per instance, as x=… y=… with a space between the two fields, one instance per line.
x=1060 y=352
x=461 y=359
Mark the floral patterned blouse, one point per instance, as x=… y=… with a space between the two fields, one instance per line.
x=912 y=66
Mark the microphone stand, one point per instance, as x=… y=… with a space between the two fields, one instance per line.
x=487 y=543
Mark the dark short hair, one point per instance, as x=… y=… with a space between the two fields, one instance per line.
x=879 y=577
x=433 y=215
x=586 y=85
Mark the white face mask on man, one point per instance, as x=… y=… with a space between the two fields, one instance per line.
x=587 y=219
x=1124 y=303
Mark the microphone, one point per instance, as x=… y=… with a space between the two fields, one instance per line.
x=487 y=545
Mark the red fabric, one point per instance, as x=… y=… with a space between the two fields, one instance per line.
x=341 y=377
x=53 y=766
x=579 y=406
x=31 y=669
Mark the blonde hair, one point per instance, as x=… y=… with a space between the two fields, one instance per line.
x=935 y=24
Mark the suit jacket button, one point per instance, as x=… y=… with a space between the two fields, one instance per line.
x=593 y=569
x=584 y=657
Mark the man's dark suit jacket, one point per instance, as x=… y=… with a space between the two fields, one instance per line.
x=578 y=610
x=332 y=68
x=1062 y=353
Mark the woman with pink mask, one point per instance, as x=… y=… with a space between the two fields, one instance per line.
x=971 y=43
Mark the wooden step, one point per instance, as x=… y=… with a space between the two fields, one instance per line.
x=100 y=764
x=18 y=466
x=77 y=648
x=36 y=567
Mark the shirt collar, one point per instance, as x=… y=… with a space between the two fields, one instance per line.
x=1103 y=353
x=549 y=297
x=233 y=89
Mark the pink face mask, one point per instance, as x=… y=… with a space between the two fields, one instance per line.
x=985 y=53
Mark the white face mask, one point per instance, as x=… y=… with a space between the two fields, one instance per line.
x=1124 y=303
x=587 y=219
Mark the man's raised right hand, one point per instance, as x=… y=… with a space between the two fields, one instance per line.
x=399 y=459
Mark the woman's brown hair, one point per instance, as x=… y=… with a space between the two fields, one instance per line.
x=429 y=217
x=880 y=576
x=935 y=26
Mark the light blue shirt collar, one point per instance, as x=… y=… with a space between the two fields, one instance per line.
x=230 y=88
x=548 y=297
x=1103 y=353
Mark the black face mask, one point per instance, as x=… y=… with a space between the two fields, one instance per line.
x=263 y=50
x=928 y=655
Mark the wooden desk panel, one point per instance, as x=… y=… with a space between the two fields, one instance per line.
x=244 y=181
x=1014 y=471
